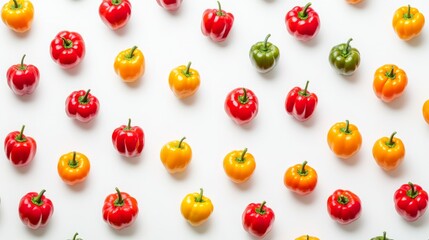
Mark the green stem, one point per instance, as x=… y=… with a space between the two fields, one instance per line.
x=128 y=127
x=302 y=171
x=219 y=11
x=15 y=2
x=243 y=98
x=241 y=159
x=67 y=43
x=22 y=66
x=303 y=14
x=20 y=137
x=266 y=41
x=38 y=200
x=73 y=163
x=200 y=197
x=116 y=2
x=260 y=209
x=180 y=143
x=391 y=74
x=131 y=55
x=188 y=67
x=343 y=199
x=412 y=193
x=409 y=12
x=308 y=237
x=391 y=143
x=119 y=201
x=384 y=235
x=75 y=236
x=304 y=92
x=346 y=129
x=84 y=99
x=346 y=51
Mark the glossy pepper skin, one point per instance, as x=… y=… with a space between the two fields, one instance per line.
x=217 y=23
x=408 y=22
x=344 y=206
x=239 y=165
x=128 y=140
x=23 y=79
x=120 y=210
x=388 y=153
x=344 y=139
x=19 y=148
x=344 y=59
x=264 y=55
x=184 y=81
x=306 y=237
x=73 y=167
x=18 y=15
x=300 y=103
x=258 y=219
x=389 y=82
x=170 y=5
x=35 y=210
x=425 y=111
x=300 y=178
x=82 y=106
x=196 y=208
x=384 y=237
x=176 y=156
x=303 y=22
x=68 y=49
x=241 y=104
x=115 y=13
x=130 y=64
x=411 y=201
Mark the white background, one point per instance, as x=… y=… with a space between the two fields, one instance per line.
x=275 y=139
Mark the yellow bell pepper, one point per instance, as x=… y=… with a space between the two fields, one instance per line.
x=344 y=139
x=196 y=208
x=73 y=167
x=306 y=237
x=130 y=64
x=18 y=15
x=184 y=81
x=239 y=165
x=176 y=156
x=408 y=22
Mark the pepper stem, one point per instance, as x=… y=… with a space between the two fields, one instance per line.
x=200 y=197
x=119 y=201
x=409 y=11
x=304 y=92
x=15 y=2
x=303 y=14
x=308 y=237
x=73 y=163
x=187 y=69
x=131 y=55
x=180 y=143
x=391 y=143
x=384 y=235
x=241 y=159
x=74 y=236
x=38 y=200
x=302 y=171
x=346 y=51
x=346 y=129
x=243 y=98
x=260 y=209
x=343 y=199
x=412 y=193
x=22 y=66
x=128 y=127
x=116 y=2
x=20 y=137
x=219 y=12
x=266 y=41
x=67 y=43
x=85 y=97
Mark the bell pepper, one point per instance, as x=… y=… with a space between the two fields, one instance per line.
x=120 y=210
x=217 y=23
x=264 y=55
x=303 y=22
x=184 y=81
x=19 y=148
x=344 y=139
x=75 y=237
x=68 y=49
x=411 y=201
x=130 y=64
x=18 y=15
x=115 y=13
x=239 y=165
x=170 y=5
x=176 y=156
x=196 y=208
x=300 y=178
x=82 y=105
x=73 y=167
x=389 y=82
x=425 y=111
x=388 y=152
x=241 y=104
x=258 y=219
x=344 y=59
x=408 y=22
x=384 y=237
x=306 y=237
x=128 y=140
x=344 y=206
x=22 y=78
x=35 y=210
x=301 y=103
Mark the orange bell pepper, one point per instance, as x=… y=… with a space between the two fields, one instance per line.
x=306 y=237
x=425 y=111
x=239 y=165
x=389 y=82
x=408 y=22
x=176 y=155
x=18 y=15
x=344 y=139
x=184 y=81
x=130 y=64
x=73 y=167
x=388 y=152
x=196 y=208
x=300 y=178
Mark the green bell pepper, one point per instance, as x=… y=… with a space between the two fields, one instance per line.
x=344 y=59
x=264 y=55
x=381 y=237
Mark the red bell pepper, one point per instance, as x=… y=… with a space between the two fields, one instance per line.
x=67 y=49
x=411 y=201
x=217 y=23
x=301 y=103
x=35 y=209
x=170 y=5
x=115 y=13
x=22 y=78
x=82 y=105
x=120 y=210
x=128 y=140
x=258 y=219
x=20 y=149
x=344 y=206
x=241 y=105
x=303 y=22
